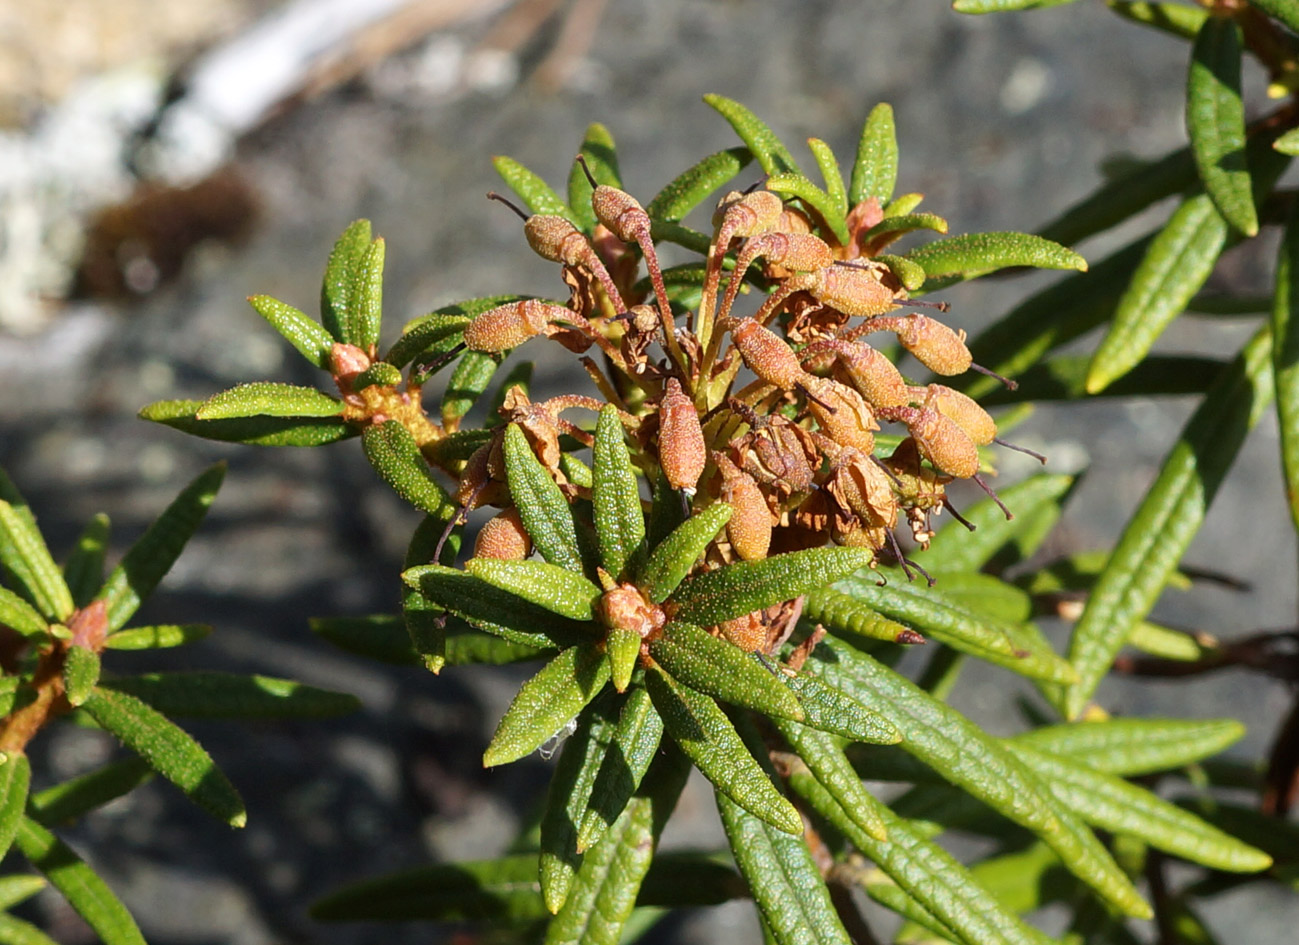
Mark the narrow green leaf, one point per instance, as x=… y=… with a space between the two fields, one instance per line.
x=491 y=609
x=209 y=695
x=706 y=735
x=899 y=226
x=796 y=185
x=1169 y=644
x=1002 y=6
x=18 y=615
x=80 y=673
x=986 y=595
x=25 y=556
x=661 y=231
x=337 y=293
x=632 y=746
x=1161 y=529
x=828 y=709
x=601 y=157
x=151 y=557
x=691 y=187
x=541 y=505
x=269 y=399
x=311 y=340
x=850 y=617
x=1215 y=121
x=619 y=520
x=557 y=589
x=875 y=171
x=1287 y=11
x=378 y=374
x=1285 y=357
x=457 y=446
x=623 y=645
x=85 y=892
x=771 y=154
x=15 y=931
x=19 y=887
x=366 y=309
x=1176 y=19
x=975 y=254
x=84 y=569
x=15 y=778
x=970 y=551
x=1288 y=143
x=676 y=554
x=903 y=204
x=1112 y=804
x=535 y=193
x=1132 y=747
x=169 y=750
x=824 y=757
x=746 y=586
x=157 y=636
x=393 y=453
x=722 y=670
x=910 y=274
x=384 y=637
x=958 y=750
x=254 y=431
x=474 y=372
x=436 y=333
x=830 y=173
x=787 y=886
x=72 y=799
x=547 y=702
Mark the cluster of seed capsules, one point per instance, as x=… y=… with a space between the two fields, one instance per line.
x=793 y=449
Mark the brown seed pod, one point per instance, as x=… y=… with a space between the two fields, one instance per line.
x=933 y=344
x=942 y=442
x=866 y=508
x=741 y=215
x=765 y=353
x=509 y=325
x=749 y=632
x=682 y=453
x=967 y=414
x=504 y=538
x=857 y=289
x=749 y=529
x=841 y=413
x=621 y=213
x=873 y=375
x=787 y=251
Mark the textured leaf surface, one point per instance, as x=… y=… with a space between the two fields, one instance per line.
x=848 y=616
x=690 y=188
x=19 y=887
x=255 y=431
x=828 y=164
x=676 y=554
x=474 y=372
x=1161 y=529
x=955 y=548
x=547 y=702
x=541 y=505
x=825 y=759
x=1131 y=747
x=830 y=710
x=532 y=190
x=211 y=695
x=1177 y=19
x=366 y=309
x=619 y=520
x=21 y=616
x=158 y=636
x=796 y=185
x=169 y=750
x=24 y=555
x=557 y=589
x=84 y=569
x=439 y=331
x=974 y=254
x=1285 y=359
x=1215 y=120
x=80 y=673
x=746 y=586
x=875 y=170
x=722 y=670
x=491 y=609
x=762 y=142
x=338 y=292
x=706 y=735
x=269 y=399
x=632 y=747
x=85 y=892
x=15 y=778
x=72 y=799
x=156 y=551
x=306 y=334
x=393 y=453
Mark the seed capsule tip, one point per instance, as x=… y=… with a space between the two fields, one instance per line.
x=493 y=195
x=1010 y=385
x=1020 y=449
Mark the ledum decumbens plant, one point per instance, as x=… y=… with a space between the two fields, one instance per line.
x=719 y=552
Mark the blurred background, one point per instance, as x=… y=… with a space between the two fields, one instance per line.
x=161 y=162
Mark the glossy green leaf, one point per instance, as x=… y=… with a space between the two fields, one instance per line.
x=547 y=702
x=1002 y=6
x=19 y=887
x=1161 y=529
x=786 y=884
x=1132 y=747
x=338 y=295
x=746 y=586
x=661 y=231
x=151 y=557
x=892 y=228
x=615 y=496
x=18 y=615
x=1286 y=11
x=875 y=170
x=601 y=157
x=254 y=431
x=722 y=670
x=85 y=892
x=956 y=549
x=15 y=778
x=796 y=185
x=1285 y=358
x=964 y=755
x=306 y=334
x=541 y=505
x=830 y=710
x=706 y=735
x=210 y=695
x=80 y=673
x=474 y=372
x=268 y=399
x=1112 y=804
x=1215 y=121
x=457 y=446
x=72 y=799
x=557 y=589
x=762 y=142
x=535 y=193
x=693 y=186
x=84 y=569
x=676 y=554
x=491 y=609
x=366 y=307
x=424 y=621
x=910 y=274
x=169 y=750
x=633 y=745
x=157 y=636
x=976 y=254
x=848 y=616
x=1168 y=643
x=828 y=164
x=824 y=757
x=623 y=645
x=1288 y=143
x=1176 y=19
x=25 y=556
x=393 y=453
x=378 y=374
x=903 y=204
x=986 y=595
x=438 y=332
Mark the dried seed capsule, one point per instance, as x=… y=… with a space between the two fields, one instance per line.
x=865 y=507
x=943 y=443
x=504 y=538
x=967 y=414
x=621 y=213
x=784 y=252
x=749 y=528
x=857 y=289
x=740 y=214
x=934 y=345
x=765 y=353
x=873 y=375
x=682 y=453
x=509 y=325
x=749 y=632
x=842 y=413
